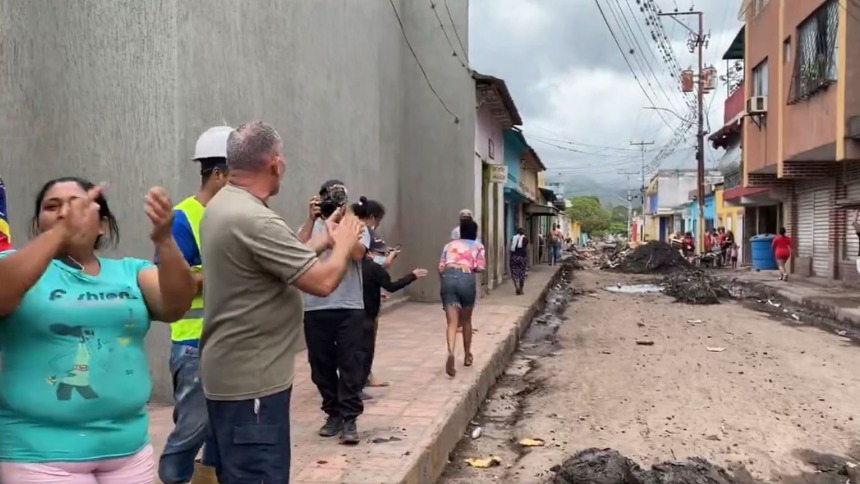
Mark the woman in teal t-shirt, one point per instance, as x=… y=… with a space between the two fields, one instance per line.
x=75 y=381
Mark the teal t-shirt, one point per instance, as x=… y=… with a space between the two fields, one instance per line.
x=75 y=380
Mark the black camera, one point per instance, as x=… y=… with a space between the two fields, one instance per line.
x=331 y=199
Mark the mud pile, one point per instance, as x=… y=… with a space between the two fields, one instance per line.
x=607 y=466
x=651 y=258
x=695 y=287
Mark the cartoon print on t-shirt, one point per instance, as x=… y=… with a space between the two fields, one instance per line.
x=73 y=373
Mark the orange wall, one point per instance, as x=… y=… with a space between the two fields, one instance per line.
x=762 y=42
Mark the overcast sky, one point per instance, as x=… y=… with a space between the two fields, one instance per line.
x=571 y=83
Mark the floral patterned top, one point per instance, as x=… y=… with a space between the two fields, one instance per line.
x=464 y=253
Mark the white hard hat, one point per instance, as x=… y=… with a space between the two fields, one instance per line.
x=212 y=143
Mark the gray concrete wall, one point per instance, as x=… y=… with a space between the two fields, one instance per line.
x=118 y=91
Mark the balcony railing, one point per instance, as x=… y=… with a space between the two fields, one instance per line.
x=734 y=104
x=732 y=179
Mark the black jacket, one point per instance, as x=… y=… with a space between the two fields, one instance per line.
x=375 y=278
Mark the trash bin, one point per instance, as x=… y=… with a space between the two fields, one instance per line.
x=762 y=253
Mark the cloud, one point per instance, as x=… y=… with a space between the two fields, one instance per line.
x=571 y=83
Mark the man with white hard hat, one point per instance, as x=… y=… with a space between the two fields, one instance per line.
x=177 y=463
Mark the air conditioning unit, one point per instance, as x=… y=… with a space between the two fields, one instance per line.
x=757 y=105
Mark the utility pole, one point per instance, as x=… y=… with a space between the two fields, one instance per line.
x=697 y=42
x=627 y=174
x=642 y=145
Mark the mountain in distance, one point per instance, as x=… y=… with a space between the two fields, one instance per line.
x=610 y=192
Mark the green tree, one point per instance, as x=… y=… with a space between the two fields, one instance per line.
x=586 y=210
x=618 y=223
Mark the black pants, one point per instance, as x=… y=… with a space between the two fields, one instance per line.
x=335 y=352
x=368 y=346
x=252 y=438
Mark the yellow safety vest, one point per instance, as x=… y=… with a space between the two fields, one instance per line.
x=191 y=326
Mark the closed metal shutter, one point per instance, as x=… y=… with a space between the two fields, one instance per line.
x=850 y=240
x=805 y=219
x=821 y=262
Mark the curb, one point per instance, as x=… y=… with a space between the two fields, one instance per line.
x=831 y=311
x=434 y=458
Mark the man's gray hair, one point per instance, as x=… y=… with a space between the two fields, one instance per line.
x=250 y=145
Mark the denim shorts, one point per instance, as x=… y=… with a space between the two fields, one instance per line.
x=458 y=288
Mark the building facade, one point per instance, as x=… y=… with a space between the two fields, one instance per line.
x=801 y=129
x=120 y=91
x=667 y=190
x=496 y=112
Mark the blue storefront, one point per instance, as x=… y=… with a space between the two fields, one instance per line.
x=515 y=147
x=710 y=212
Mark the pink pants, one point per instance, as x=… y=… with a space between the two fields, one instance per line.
x=135 y=469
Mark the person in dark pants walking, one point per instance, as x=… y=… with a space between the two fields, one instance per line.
x=256 y=271
x=334 y=326
x=376 y=278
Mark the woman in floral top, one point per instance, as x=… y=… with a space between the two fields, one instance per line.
x=461 y=259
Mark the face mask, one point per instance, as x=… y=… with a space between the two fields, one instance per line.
x=379 y=259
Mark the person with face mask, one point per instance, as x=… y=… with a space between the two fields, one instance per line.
x=256 y=271
x=375 y=278
x=177 y=465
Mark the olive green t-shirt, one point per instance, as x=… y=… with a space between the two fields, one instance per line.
x=253 y=314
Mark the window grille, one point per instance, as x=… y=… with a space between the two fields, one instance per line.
x=815 y=64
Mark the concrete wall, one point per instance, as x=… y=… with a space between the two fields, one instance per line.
x=119 y=91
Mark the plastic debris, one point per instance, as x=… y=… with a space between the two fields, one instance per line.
x=491 y=461
x=532 y=442
x=715 y=349
x=477 y=432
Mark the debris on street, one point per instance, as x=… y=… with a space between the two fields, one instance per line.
x=491 y=461
x=477 y=432
x=651 y=258
x=645 y=343
x=695 y=287
x=715 y=349
x=607 y=466
x=532 y=442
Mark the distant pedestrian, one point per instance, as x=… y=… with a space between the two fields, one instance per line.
x=190 y=431
x=519 y=259
x=255 y=270
x=334 y=328
x=556 y=237
x=782 y=252
x=75 y=377
x=375 y=279
x=734 y=252
x=461 y=260
x=465 y=214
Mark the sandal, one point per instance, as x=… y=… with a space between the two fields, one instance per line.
x=449 y=366
x=467 y=361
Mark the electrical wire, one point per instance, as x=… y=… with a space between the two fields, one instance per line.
x=456 y=34
x=421 y=67
x=447 y=37
x=627 y=61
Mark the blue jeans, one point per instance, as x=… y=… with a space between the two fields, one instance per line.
x=556 y=253
x=458 y=288
x=190 y=417
x=252 y=438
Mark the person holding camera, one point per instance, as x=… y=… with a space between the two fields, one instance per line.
x=256 y=272
x=334 y=325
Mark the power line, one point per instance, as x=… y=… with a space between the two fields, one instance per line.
x=456 y=34
x=447 y=38
x=629 y=66
x=423 y=72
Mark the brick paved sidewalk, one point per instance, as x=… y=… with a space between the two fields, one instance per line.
x=410 y=427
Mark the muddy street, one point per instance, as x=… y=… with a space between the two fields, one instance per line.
x=766 y=397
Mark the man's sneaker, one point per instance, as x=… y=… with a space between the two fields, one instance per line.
x=350 y=433
x=333 y=425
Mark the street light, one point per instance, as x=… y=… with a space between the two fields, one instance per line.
x=673 y=113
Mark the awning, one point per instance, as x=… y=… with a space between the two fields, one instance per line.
x=548 y=194
x=516 y=196
x=736 y=49
x=537 y=210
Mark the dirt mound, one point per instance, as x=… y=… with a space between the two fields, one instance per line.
x=607 y=466
x=695 y=287
x=652 y=258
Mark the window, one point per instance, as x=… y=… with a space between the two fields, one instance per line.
x=786 y=50
x=815 y=61
x=760 y=79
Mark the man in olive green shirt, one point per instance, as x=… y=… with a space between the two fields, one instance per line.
x=256 y=269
